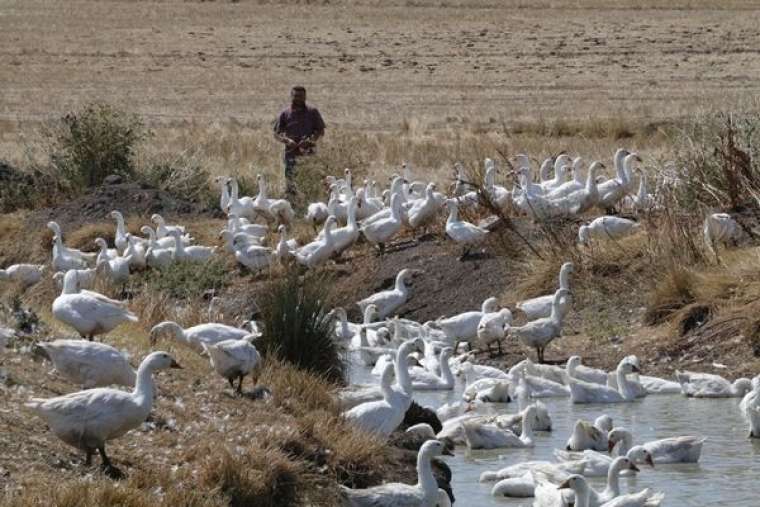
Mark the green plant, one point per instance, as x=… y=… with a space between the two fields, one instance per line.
x=95 y=142
x=183 y=178
x=186 y=280
x=297 y=327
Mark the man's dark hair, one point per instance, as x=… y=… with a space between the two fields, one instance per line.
x=298 y=88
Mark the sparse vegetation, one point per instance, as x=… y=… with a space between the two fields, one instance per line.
x=187 y=280
x=297 y=328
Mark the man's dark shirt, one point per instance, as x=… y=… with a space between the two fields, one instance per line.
x=298 y=124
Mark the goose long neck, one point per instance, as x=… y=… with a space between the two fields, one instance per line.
x=613 y=480
x=425 y=478
x=446 y=374
x=262 y=189
x=453 y=214
x=178 y=246
x=144 y=386
x=624 y=385
x=224 y=200
x=352 y=215
x=555 y=315
x=175 y=329
x=402 y=370
x=625 y=444
x=70 y=285
x=400 y=285
x=385 y=388
x=527 y=426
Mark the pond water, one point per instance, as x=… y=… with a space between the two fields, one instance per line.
x=726 y=474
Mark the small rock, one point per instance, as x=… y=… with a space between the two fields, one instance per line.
x=113 y=179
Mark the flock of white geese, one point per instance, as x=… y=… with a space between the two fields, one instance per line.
x=407 y=356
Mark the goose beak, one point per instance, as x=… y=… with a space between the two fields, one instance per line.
x=175 y=364
x=634 y=468
x=649 y=461
x=564 y=485
x=610 y=445
x=635 y=369
x=447 y=452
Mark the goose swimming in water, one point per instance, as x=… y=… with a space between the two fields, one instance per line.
x=706 y=385
x=425 y=493
x=586 y=392
x=88 y=419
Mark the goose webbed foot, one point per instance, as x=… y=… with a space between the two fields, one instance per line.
x=232 y=382
x=240 y=385
x=107 y=468
x=88 y=456
x=498 y=344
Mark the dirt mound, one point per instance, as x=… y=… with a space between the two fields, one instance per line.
x=129 y=198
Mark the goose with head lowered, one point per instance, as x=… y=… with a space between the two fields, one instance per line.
x=24 y=274
x=87 y=363
x=318 y=251
x=493 y=328
x=590 y=436
x=194 y=337
x=90 y=313
x=491 y=436
x=606 y=228
x=88 y=419
x=683 y=449
x=540 y=307
x=425 y=493
x=388 y=301
x=194 y=253
x=233 y=359
x=706 y=385
x=541 y=332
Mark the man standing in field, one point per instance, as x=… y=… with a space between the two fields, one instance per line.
x=298 y=127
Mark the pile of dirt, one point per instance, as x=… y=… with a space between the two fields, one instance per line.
x=132 y=199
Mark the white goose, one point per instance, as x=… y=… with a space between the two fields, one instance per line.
x=135 y=251
x=493 y=437
x=425 y=493
x=540 y=307
x=370 y=354
x=498 y=195
x=577 y=183
x=586 y=497
x=423 y=380
x=279 y=210
x=613 y=190
x=163 y=230
x=383 y=416
x=423 y=211
x=120 y=238
x=462 y=232
x=344 y=237
x=88 y=419
x=493 y=328
x=194 y=253
x=541 y=332
x=319 y=251
x=234 y=358
x=90 y=313
x=388 y=301
x=87 y=363
x=586 y=392
x=463 y=327
x=85 y=278
x=252 y=256
x=749 y=407
x=719 y=228
x=381 y=230
x=590 y=436
x=683 y=449
x=584 y=199
x=597 y=464
x=606 y=228
x=24 y=274
x=240 y=206
x=237 y=224
x=155 y=243
x=285 y=248
x=65 y=258
x=574 y=368
x=224 y=198
x=117 y=267
x=194 y=337
x=705 y=385
x=317 y=213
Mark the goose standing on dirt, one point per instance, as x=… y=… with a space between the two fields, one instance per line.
x=120 y=237
x=493 y=328
x=463 y=232
x=278 y=210
x=163 y=230
x=88 y=419
x=425 y=493
x=388 y=301
x=286 y=248
x=719 y=228
x=606 y=228
x=87 y=363
x=90 y=313
x=117 y=267
x=612 y=191
x=194 y=337
x=194 y=253
x=233 y=359
x=423 y=211
x=135 y=251
x=240 y=206
x=586 y=392
x=252 y=256
x=316 y=214
x=319 y=251
x=582 y=200
x=540 y=307
x=380 y=231
x=706 y=385
x=540 y=333
x=224 y=197
x=65 y=258
x=463 y=327
x=344 y=237
x=24 y=274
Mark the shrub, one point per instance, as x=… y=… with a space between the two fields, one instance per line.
x=26 y=189
x=297 y=328
x=97 y=141
x=186 y=280
x=716 y=161
x=182 y=178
